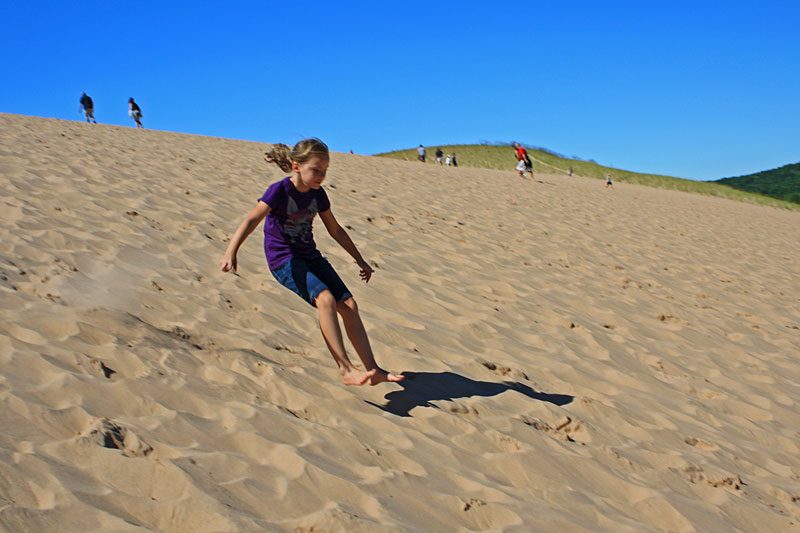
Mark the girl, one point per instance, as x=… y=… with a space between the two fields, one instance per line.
x=289 y=207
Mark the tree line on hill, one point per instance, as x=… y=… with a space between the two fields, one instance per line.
x=782 y=183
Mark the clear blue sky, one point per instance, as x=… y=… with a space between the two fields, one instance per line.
x=699 y=90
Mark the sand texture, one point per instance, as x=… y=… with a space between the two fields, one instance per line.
x=578 y=358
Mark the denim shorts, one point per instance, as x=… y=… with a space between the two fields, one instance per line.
x=309 y=277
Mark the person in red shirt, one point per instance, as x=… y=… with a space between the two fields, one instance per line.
x=523 y=161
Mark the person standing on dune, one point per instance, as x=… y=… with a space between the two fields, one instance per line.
x=523 y=161
x=135 y=112
x=88 y=107
x=288 y=209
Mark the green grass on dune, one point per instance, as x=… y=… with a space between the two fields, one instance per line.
x=545 y=162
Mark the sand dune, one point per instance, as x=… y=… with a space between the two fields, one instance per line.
x=579 y=358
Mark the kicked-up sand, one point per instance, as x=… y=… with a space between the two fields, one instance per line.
x=578 y=358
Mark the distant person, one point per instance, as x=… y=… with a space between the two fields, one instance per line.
x=421 y=152
x=523 y=161
x=288 y=210
x=609 y=183
x=570 y=171
x=87 y=106
x=135 y=112
x=449 y=160
x=453 y=159
x=439 y=156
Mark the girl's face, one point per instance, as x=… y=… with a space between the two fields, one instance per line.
x=312 y=173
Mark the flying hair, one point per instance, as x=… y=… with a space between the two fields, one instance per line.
x=283 y=155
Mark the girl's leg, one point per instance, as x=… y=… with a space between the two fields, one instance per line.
x=358 y=337
x=332 y=333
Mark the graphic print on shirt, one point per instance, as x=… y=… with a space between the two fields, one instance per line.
x=298 y=222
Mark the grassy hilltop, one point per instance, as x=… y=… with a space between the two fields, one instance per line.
x=547 y=162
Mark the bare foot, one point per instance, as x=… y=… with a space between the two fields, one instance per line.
x=357 y=377
x=382 y=375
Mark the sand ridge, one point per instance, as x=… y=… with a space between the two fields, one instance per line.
x=579 y=358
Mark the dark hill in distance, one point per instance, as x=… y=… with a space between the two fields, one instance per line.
x=782 y=183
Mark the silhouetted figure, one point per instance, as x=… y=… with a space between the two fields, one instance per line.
x=422 y=388
x=88 y=107
x=453 y=160
x=439 y=156
x=135 y=112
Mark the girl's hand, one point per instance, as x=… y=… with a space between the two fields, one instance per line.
x=228 y=263
x=366 y=271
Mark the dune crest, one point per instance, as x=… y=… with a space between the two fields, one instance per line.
x=578 y=358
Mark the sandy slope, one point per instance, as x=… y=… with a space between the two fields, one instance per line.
x=583 y=359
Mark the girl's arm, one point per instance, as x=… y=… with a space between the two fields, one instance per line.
x=340 y=235
x=251 y=222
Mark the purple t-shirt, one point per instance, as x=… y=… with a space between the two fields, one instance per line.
x=287 y=227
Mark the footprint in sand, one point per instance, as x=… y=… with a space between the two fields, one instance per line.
x=473 y=502
x=109 y=434
x=567 y=428
x=99 y=368
x=697 y=475
x=700 y=443
x=462 y=409
x=503 y=370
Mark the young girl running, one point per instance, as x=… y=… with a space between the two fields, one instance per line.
x=289 y=207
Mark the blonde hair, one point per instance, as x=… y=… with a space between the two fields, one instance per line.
x=283 y=156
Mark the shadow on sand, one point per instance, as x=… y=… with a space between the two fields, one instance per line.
x=421 y=388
